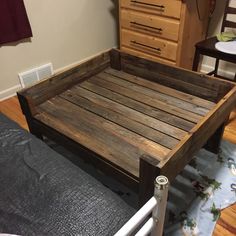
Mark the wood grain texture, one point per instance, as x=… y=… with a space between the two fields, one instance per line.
x=146 y=100
x=162 y=89
x=225 y=225
x=140 y=106
x=168 y=99
x=136 y=115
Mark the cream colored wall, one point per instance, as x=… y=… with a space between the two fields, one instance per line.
x=227 y=69
x=64 y=32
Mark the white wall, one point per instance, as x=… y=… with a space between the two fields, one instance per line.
x=227 y=69
x=64 y=32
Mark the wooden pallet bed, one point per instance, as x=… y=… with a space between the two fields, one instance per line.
x=131 y=117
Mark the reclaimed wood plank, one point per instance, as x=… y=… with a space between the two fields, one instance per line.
x=160 y=88
x=168 y=100
x=121 y=120
x=106 y=138
x=132 y=114
x=139 y=106
x=172 y=82
x=146 y=99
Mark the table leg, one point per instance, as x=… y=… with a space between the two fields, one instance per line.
x=213 y=143
x=27 y=111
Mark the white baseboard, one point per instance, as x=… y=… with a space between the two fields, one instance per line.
x=7 y=93
x=206 y=68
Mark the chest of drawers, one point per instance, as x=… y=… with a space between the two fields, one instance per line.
x=163 y=30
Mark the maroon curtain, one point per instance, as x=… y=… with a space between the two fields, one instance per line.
x=14 y=23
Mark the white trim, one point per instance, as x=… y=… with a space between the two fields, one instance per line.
x=206 y=68
x=7 y=93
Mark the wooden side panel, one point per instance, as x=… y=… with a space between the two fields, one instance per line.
x=141 y=107
x=186 y=81
x=62 y=81
x=161 y=89
x=183 y=153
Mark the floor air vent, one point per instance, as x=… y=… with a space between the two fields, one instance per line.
x=34 y=75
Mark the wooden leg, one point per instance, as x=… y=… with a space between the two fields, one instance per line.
x=213 y=143
x=25 y=107
x=216 y=66
x=196 y=60
x=34 y=130
x=148 y=171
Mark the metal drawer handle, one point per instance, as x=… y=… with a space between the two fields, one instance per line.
x=151 y=27
x=149 y=4
x=147 y=46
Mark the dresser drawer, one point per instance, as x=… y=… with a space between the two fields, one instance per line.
x=150 y=24
x=147 y=56
x=150 y=45
x=171 y=8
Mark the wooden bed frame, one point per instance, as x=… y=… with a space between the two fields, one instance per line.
x=132 y=118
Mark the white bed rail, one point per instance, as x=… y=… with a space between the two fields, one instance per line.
x=156 y=205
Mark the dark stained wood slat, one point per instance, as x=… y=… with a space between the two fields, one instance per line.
x=168 y=100
x=161 y=88
x=121 y=120
x=102 y=130
x=139 y=106
x=147 y=100
x=132 y=114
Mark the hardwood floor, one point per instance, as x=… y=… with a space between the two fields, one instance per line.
x=11 y=108
x=226 y=225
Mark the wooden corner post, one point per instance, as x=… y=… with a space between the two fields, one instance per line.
x=28 y=110
x=148 y=171
x=115 y=61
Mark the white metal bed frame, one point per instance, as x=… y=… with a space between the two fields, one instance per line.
x=156 y=205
